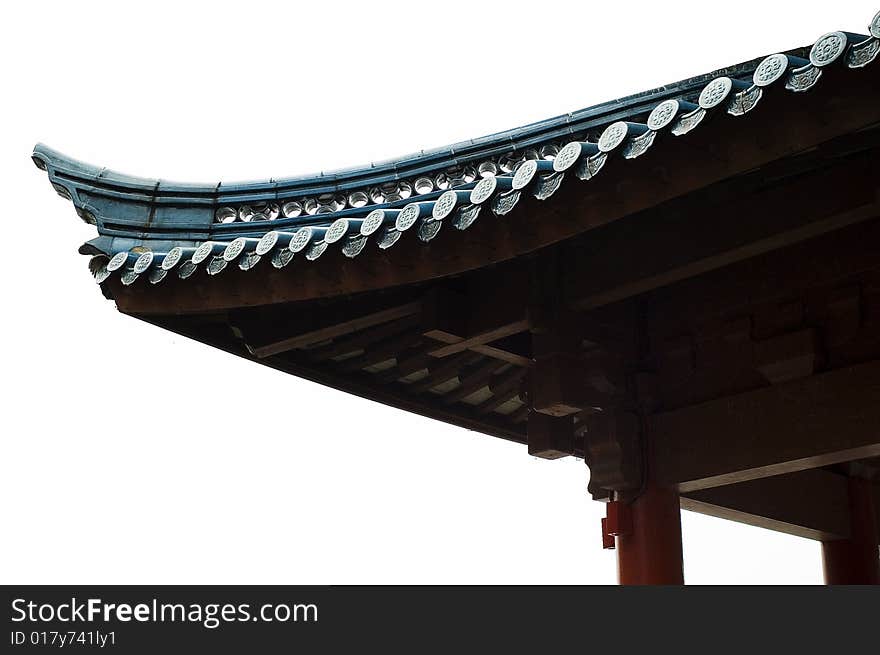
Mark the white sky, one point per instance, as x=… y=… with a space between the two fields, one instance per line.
x=130 y=455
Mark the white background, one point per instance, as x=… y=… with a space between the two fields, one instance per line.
x=130 y=455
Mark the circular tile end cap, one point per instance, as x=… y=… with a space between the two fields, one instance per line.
x=143 y=262
x=336 y=231
x=828 y=49
x=613 y=136
x=715 y=92
x=484 y=190
x=663 y=114
x=301 y=239
x=233 y=250
x=770 y=70
x=117 y=261
x=445 y=204
x=372 y=222
x=567 y=157
x=407 y=217
x=202 y=252
x=172 y=258
x=525 y=173
x=266 y=243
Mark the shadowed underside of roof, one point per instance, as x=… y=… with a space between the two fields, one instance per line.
x=150 y=230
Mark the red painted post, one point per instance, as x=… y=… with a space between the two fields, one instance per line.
x=855 y=560
x=650 y=554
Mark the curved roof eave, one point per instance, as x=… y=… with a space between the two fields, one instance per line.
x=150 y=228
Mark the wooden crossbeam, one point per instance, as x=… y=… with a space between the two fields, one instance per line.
x=361 y=332
x=492 y=309
x=489 y=351
x=336 y=330
x=363 y=339
x=817 y=421
x=811 y=504
x=458 y=344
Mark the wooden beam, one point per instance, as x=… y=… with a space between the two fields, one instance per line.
x=719 y=231
x=818 y=421
x=812 y=504
x=561 y=384
x=489 y=351
x=491 y=309
x=473 y=341
x=363 y=339
x=770 y=278
x=550 y=437
x=784 y=124
x=336 y=330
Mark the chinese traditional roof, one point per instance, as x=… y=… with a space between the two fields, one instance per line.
x=412 y=281
x=153 y=229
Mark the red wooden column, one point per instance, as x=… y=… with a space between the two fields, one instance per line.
x=650 y=551
x=855 y=560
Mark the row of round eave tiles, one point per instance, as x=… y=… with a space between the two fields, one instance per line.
x=464 y=204
x=393 y=191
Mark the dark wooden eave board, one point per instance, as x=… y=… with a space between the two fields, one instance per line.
x=690 y=237
x=834 y=258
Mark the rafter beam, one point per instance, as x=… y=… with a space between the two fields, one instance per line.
x=443 y=371
x=504 y=387
x=472 y=382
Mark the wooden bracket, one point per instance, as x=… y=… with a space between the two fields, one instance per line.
x=613 y=452
x=550 y=437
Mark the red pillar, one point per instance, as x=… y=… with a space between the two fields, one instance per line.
x=650 y=553
x=855 y=560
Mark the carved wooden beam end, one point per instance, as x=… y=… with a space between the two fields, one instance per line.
x=613 y=452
